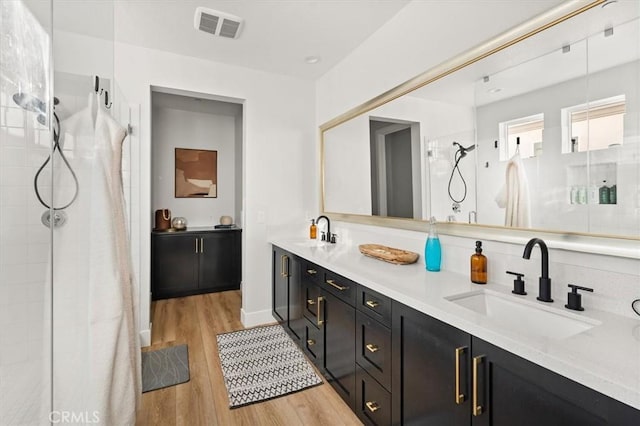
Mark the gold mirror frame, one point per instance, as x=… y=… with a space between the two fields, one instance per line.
x=613 y=245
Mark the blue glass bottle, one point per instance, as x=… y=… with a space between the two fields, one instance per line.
x=432 y=249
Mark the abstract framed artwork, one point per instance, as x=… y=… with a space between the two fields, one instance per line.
x=196 y=173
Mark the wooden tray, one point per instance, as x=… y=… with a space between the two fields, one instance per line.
x=389 y=254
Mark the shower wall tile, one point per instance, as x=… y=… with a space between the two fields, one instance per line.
x=14 y=254
x=14 y=196
x=14 y=176
x=9 y=276
x=15 y=156
x=13 y=215
x=12 y=117
x=12 y=137
x=37 y=253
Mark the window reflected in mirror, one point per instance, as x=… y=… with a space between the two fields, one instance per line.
x=593 y=126
x=522 y=135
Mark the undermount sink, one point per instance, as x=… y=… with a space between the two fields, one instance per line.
x=523 y=316
x=314 y=244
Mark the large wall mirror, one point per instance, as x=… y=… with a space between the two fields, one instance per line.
x=543 y=134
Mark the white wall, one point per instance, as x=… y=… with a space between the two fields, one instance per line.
x=412 y=42
x=178 y=128
x=278 y=156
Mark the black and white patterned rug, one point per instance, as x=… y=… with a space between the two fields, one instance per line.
x=263 y=363
x=165 y=367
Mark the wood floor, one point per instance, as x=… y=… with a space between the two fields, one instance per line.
x=203 y=400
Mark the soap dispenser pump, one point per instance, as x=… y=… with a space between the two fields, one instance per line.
x=479 y=265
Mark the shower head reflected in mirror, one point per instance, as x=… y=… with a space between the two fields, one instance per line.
x=462 y=150
x=33 y=104
x=30 y=103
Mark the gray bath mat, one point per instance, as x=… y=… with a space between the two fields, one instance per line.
x=263 y=363
x=165 y=367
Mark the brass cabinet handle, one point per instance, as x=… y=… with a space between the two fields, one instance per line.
x=286 y=264
x=459 y=395
x=311 y=271
x=371 y=303
x=311 y=342
x=201 y=245
x=311 y=302
x=196 y=240
x=372 y=348
x=319 y=320
x=477 y=409
x=372 y=406
x=333 y=284
x=282 y=265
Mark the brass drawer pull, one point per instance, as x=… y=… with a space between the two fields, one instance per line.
x=311 y=302
x=196 y=251
x=459 y=395
x=282 y=256
x=319 y=321
x=372 y=348
x=333 y=284
x=311 y=342
x=372 y=406
x=201 y=245
x=372 y=304
x=311 y=271
x=477 y=409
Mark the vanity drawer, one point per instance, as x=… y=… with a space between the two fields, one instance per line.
x=310 y=271
x=310 y=294
x=374 y=304
x=343 y=288
x=373 y=402
x=373 y=348
x=313 y=342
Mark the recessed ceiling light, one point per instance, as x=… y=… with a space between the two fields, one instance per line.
x=312 y=59
x=494 y=90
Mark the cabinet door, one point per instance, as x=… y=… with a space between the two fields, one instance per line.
x=429 y=386
x=295 y=317
x=339 y=346
x=175 y=265
x=280 y=284
x=515 y=391
x=220 y=261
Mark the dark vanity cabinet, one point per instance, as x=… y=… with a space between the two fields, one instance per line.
x=430 y=370
x=186 y=263
x=395 y=365
x=444 y=376
x=287 y=293
x=339 y=322
x=373 y=357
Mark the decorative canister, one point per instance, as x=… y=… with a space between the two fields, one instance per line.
x=179 y=223
x=163 y=220
x=226 y=220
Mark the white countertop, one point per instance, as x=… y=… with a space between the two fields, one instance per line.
x=605 y=358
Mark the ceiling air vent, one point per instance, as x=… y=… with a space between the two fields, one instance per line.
x=217 y=23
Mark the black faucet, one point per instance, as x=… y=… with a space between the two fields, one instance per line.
x=544 y=294
x=328 y=228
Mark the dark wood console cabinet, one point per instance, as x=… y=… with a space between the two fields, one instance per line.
x=195 y=262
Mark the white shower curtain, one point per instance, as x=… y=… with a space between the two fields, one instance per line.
x=96 y=349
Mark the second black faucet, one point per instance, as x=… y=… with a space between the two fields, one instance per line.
x=544 y=294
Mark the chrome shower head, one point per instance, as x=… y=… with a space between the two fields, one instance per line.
x=462 y=150
x=30 y=103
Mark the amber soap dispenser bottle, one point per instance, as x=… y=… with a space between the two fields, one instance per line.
x=478 y=265
x=313 y=230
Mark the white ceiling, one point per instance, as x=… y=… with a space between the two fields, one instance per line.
x=277 y=34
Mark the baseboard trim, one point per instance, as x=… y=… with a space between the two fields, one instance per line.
x=145 y=337
x=252 y=319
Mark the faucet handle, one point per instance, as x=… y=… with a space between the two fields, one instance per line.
x=323 y=237
x=574 y=299
x=518 y=283
x=333 y=238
